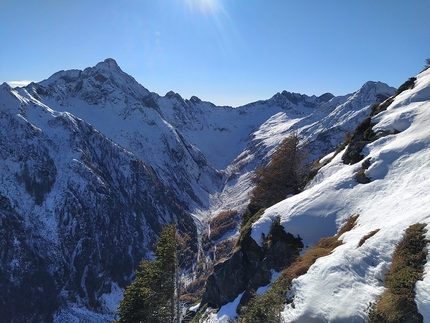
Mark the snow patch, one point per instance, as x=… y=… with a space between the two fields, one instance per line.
x=226 y=312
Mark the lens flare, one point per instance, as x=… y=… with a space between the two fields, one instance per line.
x=216 y=15
x=204 y=6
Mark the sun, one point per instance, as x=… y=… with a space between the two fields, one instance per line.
x=204 y=6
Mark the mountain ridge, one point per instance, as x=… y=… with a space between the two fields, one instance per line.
x=93 y=164
x=343 y=285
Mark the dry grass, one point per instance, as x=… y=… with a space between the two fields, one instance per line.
x=397 y=303
x=377 y=108
x=348 y=226
x=323 y=248
x=367 y=236
x=272 y=302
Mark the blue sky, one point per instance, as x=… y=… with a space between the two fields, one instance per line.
x=229 y=52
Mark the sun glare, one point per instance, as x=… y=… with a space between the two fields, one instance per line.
x=204 y=6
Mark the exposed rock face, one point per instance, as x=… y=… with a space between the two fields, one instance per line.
x=26 y=271
x=250 y=267
x=362 y=135
x=77 y=214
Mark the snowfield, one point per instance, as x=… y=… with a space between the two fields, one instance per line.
x=339 y=287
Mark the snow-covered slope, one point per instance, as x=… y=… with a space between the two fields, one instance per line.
x=339 y=287
x=195 y=146
x=321 y=122
x=77 y=213
x=92 y=163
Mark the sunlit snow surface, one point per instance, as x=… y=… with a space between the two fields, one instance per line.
x=227 y=312
x=339 y=287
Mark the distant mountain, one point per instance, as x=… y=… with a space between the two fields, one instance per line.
x=93 y=164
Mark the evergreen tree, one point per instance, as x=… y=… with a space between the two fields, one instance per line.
x=151 y=298
x=265 y=308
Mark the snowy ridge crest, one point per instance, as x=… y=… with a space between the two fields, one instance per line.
x=394 y=199
x=93 y=164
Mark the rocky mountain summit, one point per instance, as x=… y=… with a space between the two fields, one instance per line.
x=93 y=164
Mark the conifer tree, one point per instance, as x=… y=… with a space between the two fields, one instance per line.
x=287 y=173
x=151 y=298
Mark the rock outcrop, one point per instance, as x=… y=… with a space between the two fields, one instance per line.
x=250 y=266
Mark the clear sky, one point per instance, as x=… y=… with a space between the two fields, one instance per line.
x=229 y=52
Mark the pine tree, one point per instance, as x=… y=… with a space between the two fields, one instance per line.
x=151 y=298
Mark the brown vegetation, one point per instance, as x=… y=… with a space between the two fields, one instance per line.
x=367 y=236
x=194 y=291
x=397 y=303
x=379 y=107
x=224 y=248
x=287 y=173
x=223 y=223
x=323 y=248
x=267 y=307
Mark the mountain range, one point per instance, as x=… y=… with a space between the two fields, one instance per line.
x=367 y=194
x=93 y=164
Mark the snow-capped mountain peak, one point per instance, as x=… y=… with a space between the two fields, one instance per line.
x=108 y=63
x=98 y=85
x=93 y=164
